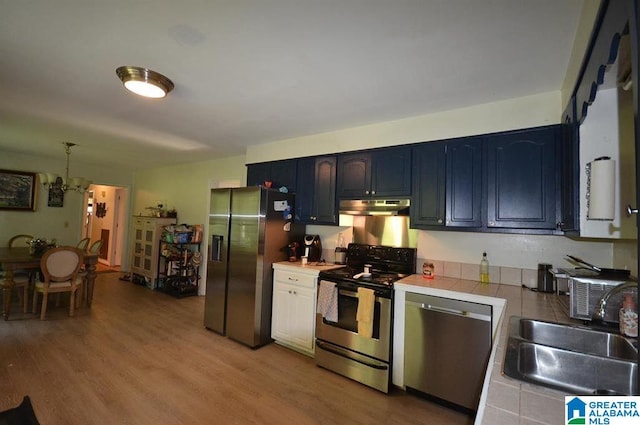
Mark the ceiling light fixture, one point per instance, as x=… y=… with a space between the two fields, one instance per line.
x=79 y=184
x=144 y=82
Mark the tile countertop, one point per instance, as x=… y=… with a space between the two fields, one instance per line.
x=504 y=401
x=309 y=268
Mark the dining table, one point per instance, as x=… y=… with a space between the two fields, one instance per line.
x=21 y=258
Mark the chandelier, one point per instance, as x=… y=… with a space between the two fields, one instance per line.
x=50 y=180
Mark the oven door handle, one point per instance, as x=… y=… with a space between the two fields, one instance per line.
x=344 y=353
x=347 y=292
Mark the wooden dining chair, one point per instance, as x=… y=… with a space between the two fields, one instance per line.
x=60 y=268
x=94 y=249
x=20 y=241
x=21 y=278
x=83 y=244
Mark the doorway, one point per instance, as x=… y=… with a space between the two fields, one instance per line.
x=105 y=218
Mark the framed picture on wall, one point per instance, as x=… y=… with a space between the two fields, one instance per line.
x=17 y=190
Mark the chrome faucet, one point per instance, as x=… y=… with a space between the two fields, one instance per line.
x=600 y=313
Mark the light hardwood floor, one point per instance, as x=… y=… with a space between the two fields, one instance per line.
x=143 y=357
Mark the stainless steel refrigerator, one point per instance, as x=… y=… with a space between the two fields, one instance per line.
x=248 y=232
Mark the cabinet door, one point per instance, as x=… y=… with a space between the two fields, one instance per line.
x=391 y=172
x=570 y=169
x=283 y=173
x=354 y=176
x=148 y=245
x=302 y=319
x=521 y=180
x=137 y=249
x=464 y=183
x=280 y=173
x=281 y=315
x=428 y=193
x=257 y=174
x=324 y=199
x=305 y=188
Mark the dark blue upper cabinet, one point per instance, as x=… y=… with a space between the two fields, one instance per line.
x=354 y=176
x=325 y=207
x=464 y=183
x=316 y=195
x=391 y=174
x=569 y=170
x=381 y=173
x=306 y=189
x=257 y=174
x=521 y=180
x=428 y=192
x=280 y=173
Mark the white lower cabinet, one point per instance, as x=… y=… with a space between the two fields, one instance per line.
x=293 y=313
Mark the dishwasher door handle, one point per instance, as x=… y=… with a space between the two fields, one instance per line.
x=445 y=310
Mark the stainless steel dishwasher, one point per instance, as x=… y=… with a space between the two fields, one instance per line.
x=447 y=347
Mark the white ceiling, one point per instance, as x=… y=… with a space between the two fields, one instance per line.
x=253 y=71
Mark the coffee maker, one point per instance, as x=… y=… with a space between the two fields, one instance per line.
x=312 y=248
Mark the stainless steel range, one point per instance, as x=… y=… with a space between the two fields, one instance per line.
x=340 y=345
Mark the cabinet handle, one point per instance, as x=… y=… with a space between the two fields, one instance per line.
x=491 y=223
x=294 y=293
x=366 y=192
x=373 y=192
x=560 y=225
x=439 y=221
x=292 y=279
x=631 y=211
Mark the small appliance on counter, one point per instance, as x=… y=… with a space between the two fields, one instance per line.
x=586 y=286
x=341 y=255
x=312 y=248
x=580 y=291
x=292 y=250
x=341 y=251
x=545 y=278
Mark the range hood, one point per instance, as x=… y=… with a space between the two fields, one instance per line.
x=375 y=206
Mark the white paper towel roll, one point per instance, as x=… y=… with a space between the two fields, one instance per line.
x=601 y=187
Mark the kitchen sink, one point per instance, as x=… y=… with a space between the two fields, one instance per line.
x=570 y=358
x=576 y=338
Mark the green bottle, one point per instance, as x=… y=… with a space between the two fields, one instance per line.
x=484 y=269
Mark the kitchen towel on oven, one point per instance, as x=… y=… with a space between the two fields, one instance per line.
x=328 y=301
x=364 y=315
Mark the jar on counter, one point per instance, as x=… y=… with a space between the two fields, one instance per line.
x=428 y=271
x=629 y=317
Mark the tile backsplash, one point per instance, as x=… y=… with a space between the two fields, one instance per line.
x=504 y=275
